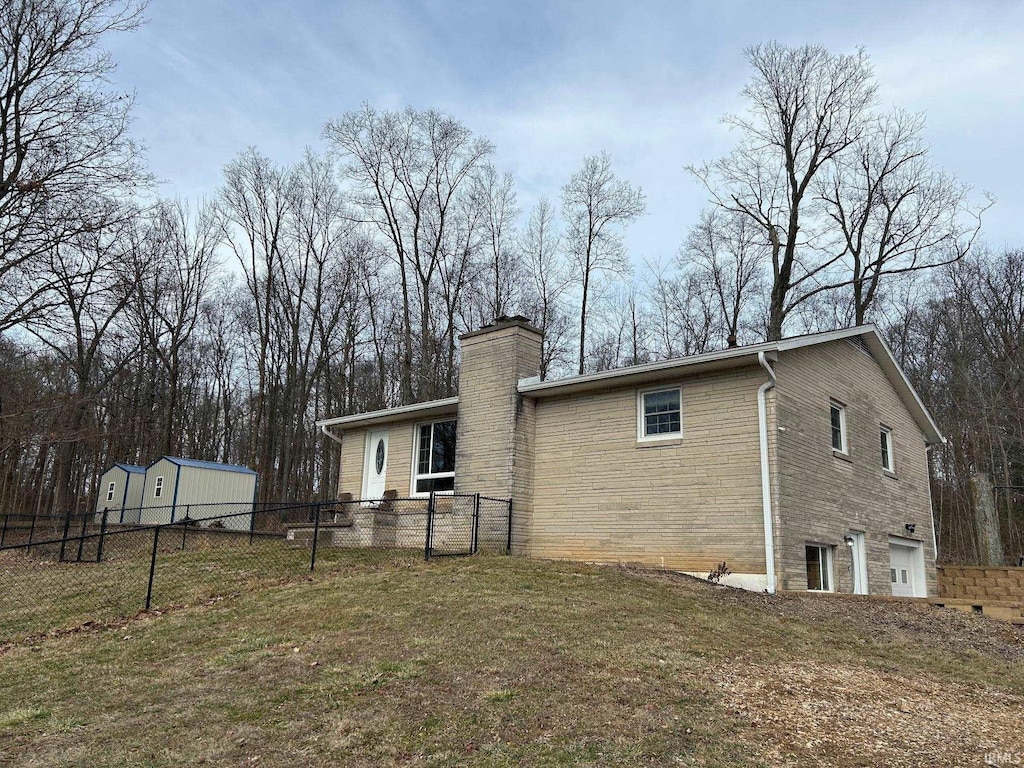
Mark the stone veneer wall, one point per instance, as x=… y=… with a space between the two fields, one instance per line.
x=981 y=583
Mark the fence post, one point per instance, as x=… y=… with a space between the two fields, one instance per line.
x=81 y=537
x=64 y=536
x=103 y=533
x=3 y=534
x=316 y=537
x=508 y=542
x=474 y=543
x=152 y=566
x=429 y=533
x=252 y=524
x=32 y=530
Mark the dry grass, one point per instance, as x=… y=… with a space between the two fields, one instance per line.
x=495 y=661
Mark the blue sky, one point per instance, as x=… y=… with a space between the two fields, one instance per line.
x=551 y=82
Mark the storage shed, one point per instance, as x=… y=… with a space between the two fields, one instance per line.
x=120 y=493
x=178 y=488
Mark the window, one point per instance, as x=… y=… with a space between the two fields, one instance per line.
x=838 y=415
x=885 y=435
x=435 y=457
x=660 y=414
x=110 y=491
x=819 y=567
x=158 y=487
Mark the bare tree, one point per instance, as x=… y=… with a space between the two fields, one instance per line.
x=807 y=106
x=494 y=196
x=550 y=278
x=64 y=145
x=596 y=206
x=894 y=212
x=409 y=169
x=725 y=254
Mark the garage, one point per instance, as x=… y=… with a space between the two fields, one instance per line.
x=906 y=568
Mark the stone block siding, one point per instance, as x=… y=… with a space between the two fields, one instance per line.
x=959 y=582
x=822 y=496
x=687 y=504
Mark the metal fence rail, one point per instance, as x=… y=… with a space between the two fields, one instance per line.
x=77 y=568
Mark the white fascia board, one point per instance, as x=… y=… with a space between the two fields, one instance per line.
x=402 y=412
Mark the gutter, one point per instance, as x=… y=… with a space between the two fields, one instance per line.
x=325 y=431
x=766 y=485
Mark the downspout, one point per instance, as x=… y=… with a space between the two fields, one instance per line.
x=931 y=508
x=766 y=484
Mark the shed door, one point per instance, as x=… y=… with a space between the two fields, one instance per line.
x=901 y=570
x=376 y=467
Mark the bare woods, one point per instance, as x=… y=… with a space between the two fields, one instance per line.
x=132 y=326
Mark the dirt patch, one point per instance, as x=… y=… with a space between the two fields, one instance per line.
x=881 y=620
x=808 y=713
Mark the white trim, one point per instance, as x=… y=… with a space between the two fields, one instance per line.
x=844 y=439
x=889 y=446
x=432 y=407
x=370 y=459
x=920 y=586
x=641 y=421
x=738 y=356
x=827 y=567
x=416 y=456
x=158 y=487
x=111 y=487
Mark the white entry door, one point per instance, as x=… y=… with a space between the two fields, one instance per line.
x=901 y=570
x=376 y=467
x=859 y=556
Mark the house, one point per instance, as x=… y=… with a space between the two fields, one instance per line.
x=800 y=464
x=120 y=493
x=177 y=489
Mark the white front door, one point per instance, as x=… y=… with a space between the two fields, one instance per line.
x=859 y=556
x=901 y=570
x=376 y=467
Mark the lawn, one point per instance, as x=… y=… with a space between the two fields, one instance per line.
x=506 y=661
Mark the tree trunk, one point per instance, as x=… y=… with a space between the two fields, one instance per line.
x=986 y=521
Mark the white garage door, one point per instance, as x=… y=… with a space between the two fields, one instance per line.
x=901 y=570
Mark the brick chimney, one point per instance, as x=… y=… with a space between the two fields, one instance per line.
x=494 y=448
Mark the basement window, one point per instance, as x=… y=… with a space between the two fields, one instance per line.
x=660 y=414
x=885 y=435
x=838 y=418
x=158 y=487
x=435 y=457
x=819 y=567
x=110 y=491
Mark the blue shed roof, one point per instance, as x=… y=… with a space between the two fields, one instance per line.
x=182 y=462
x=134 y=469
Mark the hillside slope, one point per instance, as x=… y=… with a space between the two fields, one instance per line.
x=504 y=661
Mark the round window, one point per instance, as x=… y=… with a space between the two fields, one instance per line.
x=380 y=456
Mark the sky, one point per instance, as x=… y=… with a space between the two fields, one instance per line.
x=550 y=82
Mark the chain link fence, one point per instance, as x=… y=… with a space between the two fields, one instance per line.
x=63 y=571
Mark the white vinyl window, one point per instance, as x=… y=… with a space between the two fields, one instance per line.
x=110 y=491
x=434 y=469
x=158 y=487
x=838 y=419
x=888 y=462
x=819 y=567
x=659 y=413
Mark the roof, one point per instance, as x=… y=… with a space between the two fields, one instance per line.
x=388 y=415
x=740 y=356
x=198 y=464
x=133 y=469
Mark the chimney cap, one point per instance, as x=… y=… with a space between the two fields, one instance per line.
x=502 y=322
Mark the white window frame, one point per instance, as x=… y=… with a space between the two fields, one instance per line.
x=886 y=432
x=416 y=458
x=825 y=566
x=843 y=432
x=641 y=422
x=111 y=487
x=158 y=487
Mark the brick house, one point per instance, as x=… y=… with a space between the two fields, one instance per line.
x=801 y=464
